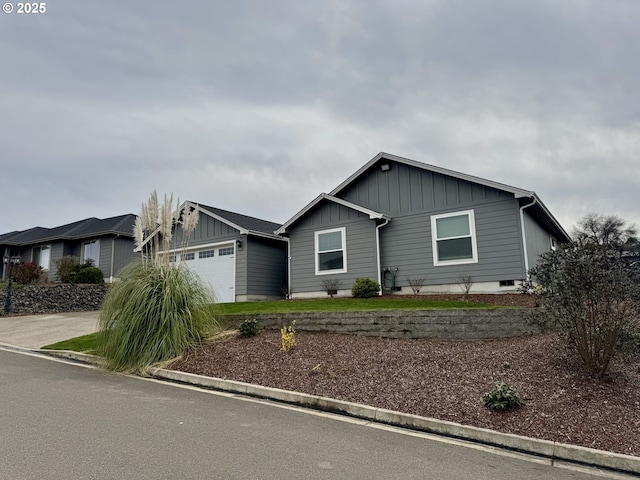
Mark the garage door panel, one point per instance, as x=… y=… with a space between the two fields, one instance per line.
x=216 y=271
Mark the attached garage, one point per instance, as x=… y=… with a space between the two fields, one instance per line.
x=216 y=267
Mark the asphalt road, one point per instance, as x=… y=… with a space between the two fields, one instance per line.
x=65 y=421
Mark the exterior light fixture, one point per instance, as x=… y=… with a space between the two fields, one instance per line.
x=385 y=167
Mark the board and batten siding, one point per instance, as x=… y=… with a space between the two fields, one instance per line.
x=360 y=240
x=410 y=196
x=405 y=189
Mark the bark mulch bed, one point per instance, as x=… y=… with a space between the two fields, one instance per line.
x=444 y=380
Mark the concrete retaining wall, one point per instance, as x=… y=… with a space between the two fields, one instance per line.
x=54 y=298
x=471 y=324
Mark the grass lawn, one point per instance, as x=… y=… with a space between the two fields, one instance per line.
x=345 y=304
x=83 y=344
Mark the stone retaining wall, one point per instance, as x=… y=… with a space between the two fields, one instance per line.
x=471 y=324
x=53 y=298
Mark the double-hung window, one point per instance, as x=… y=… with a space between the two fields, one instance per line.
x=331 y=251
x=91 y=252
x=454 y=238
x=42 y=256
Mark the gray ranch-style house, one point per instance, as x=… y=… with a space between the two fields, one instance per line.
x=402 y=223
x=239 y=256
x=107 y=243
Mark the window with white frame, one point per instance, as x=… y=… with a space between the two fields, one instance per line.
x=91 y=252
x=331 y=251
x=454 y=238
x=42 y=256
x=225 y=251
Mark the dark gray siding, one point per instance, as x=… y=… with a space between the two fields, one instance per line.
x=266 y=267
x=360 y=240
x=57 y=251
x=405 y=189
x=411 y=195
x=406 y=244
x=538 y=239
x=123 y=253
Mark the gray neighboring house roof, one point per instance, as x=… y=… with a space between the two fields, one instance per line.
x=90 y=227
x=244 y=223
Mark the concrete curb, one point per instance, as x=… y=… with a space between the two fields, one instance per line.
x=542 y=448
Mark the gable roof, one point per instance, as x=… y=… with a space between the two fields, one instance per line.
x=323 y=196
x=382 y=156
x=89 y=227
x=245 y=224
x=526 y=197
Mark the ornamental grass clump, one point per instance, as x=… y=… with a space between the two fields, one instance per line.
x=158 y=308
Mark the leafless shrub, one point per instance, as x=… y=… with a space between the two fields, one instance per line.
x=416 y=284
x=331 y=286
x=465 y=282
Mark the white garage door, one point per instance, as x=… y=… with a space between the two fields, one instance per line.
x=216 y=267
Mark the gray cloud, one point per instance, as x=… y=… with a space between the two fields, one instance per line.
x=260 y=106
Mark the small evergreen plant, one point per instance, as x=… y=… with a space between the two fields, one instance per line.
x=502 y=397
x=365 y=288
x=250 y=328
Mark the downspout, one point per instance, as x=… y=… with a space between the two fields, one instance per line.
x=524 y=236
x=288 y=268
x=378 y=253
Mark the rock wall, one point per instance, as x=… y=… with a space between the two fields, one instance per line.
x=471 y=324
x=53 y=298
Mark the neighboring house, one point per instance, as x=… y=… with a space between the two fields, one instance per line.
x=239 y=256
x=402 y=222
x=107 y=243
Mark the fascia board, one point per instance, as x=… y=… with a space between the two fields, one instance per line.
x=323 y=196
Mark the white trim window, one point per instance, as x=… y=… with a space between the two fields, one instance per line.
x=42 y=256
x=91 y=252
x=454 y=238
x=331 y=251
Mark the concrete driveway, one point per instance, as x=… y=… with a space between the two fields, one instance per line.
x=35 y=331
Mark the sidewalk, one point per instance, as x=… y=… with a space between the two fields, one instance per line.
x=34 y=331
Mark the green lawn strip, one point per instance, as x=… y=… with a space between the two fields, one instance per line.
x=345 y=304
x=83 y=344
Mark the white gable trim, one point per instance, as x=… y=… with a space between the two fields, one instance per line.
x=323 y=196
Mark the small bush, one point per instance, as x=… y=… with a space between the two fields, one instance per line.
x=88 y=274
x=27 y=272
x=365 y=288
x=502 y=397
x=66 y=267
x=250 y=328
x=629 y=340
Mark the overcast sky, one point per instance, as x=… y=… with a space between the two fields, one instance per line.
x=258 y=106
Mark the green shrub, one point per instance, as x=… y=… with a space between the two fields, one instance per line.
x=27 y=272
x=250 y=328
x=152 y=314
x=365 y=288
x=629 y=340
x=88 y=274
x=66 y=268
x=502 y=397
